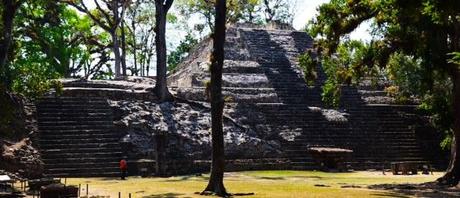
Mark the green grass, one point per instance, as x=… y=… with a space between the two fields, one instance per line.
x=262 y=183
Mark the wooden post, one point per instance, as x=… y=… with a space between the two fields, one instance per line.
x=119 y=194
x=79 y=190
x=87 y=190
x=129 y=195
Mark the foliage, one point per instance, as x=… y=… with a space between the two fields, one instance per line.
x=52 y=41
x=176 y=56
x=279 y=10
x=58 y=87
x=413 y=39
x=346 y=66
x=308 y=64
x=39 y=50
x=140 y=18
x=331 y=88
x=239 y=11
x=410 y=64
x=109 y=17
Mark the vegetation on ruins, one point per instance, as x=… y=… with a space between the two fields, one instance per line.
x=416 y=41
x=178 y=55
x=108 y=15
x=415 y=46
x=251 y=11
x=309 y=64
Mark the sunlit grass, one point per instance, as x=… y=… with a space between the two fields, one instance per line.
x=262 y=183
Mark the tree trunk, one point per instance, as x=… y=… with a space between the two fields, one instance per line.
x=116 y=52
x=452 y=176
x=161 y=87
x=268 y=11
x=133 y=27
x=7 y=37
x=216 y=183
x=123 y=47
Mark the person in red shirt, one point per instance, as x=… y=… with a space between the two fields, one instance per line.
x=123 y=168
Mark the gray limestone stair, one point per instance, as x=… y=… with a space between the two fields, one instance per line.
x=267 y=90
x=377 y=134
x=76 y=137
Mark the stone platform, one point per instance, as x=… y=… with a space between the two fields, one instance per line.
x=271 y=116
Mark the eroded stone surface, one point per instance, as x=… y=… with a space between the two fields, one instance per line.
x=188 y=130
x=21 y=159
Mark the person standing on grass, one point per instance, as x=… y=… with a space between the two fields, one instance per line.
x=123 y=168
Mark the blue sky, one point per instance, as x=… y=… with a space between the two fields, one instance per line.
x=306 y=10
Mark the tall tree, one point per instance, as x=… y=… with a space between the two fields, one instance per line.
x=108 y=15
x=279 y=10
x=427 y=30
x=141 y=20
x=55 y=41
x=237 y=10
x=123 y=47
x=241 y=11
x=216 y=180
x=8 y=9
x=161 y=88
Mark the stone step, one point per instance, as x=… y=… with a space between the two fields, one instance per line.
x=75 y=127
x=113 y=145
x=72 y=135
x=312 y=141
x=70 y=99
x=58 y=174
x=82 y=164
x=74 y=109
x=79 y=103
x=86 y=170
x=60 y=155
x=105 y=121
x=53 y=151
x=73 y=160
x=71 y=104
x=110 y=93
x=292 y=154
x=70 y=115
x=79 y=141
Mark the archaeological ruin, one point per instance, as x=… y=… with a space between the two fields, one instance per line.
x=271 y=117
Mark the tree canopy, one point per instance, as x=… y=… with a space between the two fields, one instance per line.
x=416 y=41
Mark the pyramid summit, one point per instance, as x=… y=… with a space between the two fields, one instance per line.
x=266 y=92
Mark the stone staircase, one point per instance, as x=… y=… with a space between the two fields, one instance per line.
x=266 y=91
x=76 y=137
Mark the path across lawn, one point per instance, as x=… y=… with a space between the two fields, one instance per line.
x=261 y=183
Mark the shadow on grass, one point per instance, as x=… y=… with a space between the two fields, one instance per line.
x=111 y=179
x=188 y=177
x=389 y=194
x=229 y=195
x=430 y=189
x=271 y=178
x=165 y=195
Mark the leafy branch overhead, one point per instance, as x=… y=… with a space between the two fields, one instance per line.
x=415 y=41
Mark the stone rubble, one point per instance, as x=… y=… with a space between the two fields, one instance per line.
x=21 y=159
x=187 y=127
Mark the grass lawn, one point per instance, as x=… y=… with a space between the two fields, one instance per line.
x=262 y=183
